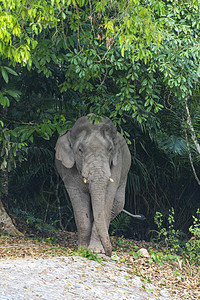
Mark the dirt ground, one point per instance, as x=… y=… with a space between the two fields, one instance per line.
x=53 y=264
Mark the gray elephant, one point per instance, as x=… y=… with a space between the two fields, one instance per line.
x=93 y=160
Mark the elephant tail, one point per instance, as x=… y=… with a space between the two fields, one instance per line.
x=139 y=217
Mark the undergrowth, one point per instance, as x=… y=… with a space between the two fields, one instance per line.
x=87 y=253
x=175 y=241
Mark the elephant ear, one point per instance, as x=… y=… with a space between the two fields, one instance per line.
x=115 y=158
x=109 y=131
x=119 y=143
x=64 y=151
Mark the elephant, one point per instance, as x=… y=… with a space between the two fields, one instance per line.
x=93 y=161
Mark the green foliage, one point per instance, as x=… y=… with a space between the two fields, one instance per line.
x=38 y=224
x=117 y=242
x=34 y=223
x=120 y=224
x=82 y=38
x=173 y=238
x=156 y=256
x=135 y=62
x=193 y=245
x=87 y=253
x=136 y=254
x=20 y=22
x=135 y=24
x=6 y=93
x=35 y=188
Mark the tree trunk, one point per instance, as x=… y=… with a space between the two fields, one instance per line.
x=6 y=225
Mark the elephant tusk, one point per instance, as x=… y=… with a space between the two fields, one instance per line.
x=84 y=180
x=111 y=180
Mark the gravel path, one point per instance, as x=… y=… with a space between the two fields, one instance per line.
x=71 y=278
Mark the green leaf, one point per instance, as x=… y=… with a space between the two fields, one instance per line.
x=122 y=51
x=110 y=72
x=4 y=164
x=11 y=71
x=4 y=101
x=7 y=135
x=4 y=74
x=14 y=94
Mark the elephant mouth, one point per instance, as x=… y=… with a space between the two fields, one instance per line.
x=85 y=180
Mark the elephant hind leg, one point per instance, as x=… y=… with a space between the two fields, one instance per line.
x=119 y=201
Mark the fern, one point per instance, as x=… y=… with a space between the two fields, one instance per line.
x=172 y=144
x=120 y=224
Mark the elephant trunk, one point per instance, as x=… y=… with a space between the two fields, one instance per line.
x=98 y=191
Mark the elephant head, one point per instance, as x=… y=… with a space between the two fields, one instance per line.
x=93 y=150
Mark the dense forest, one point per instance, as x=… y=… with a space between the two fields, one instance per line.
x=136 y=62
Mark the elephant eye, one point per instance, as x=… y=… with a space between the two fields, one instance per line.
x=80 y=150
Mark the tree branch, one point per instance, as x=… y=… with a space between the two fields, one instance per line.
x=190 y=158
x=194 y=138
x=192 y=131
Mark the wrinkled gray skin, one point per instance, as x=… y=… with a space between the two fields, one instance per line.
x=94 y=152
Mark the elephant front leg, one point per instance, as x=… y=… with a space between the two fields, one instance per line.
x=95 y=243
x=82 y=213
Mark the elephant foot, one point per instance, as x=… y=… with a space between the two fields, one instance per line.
x=82 y=245
x=96 y=247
